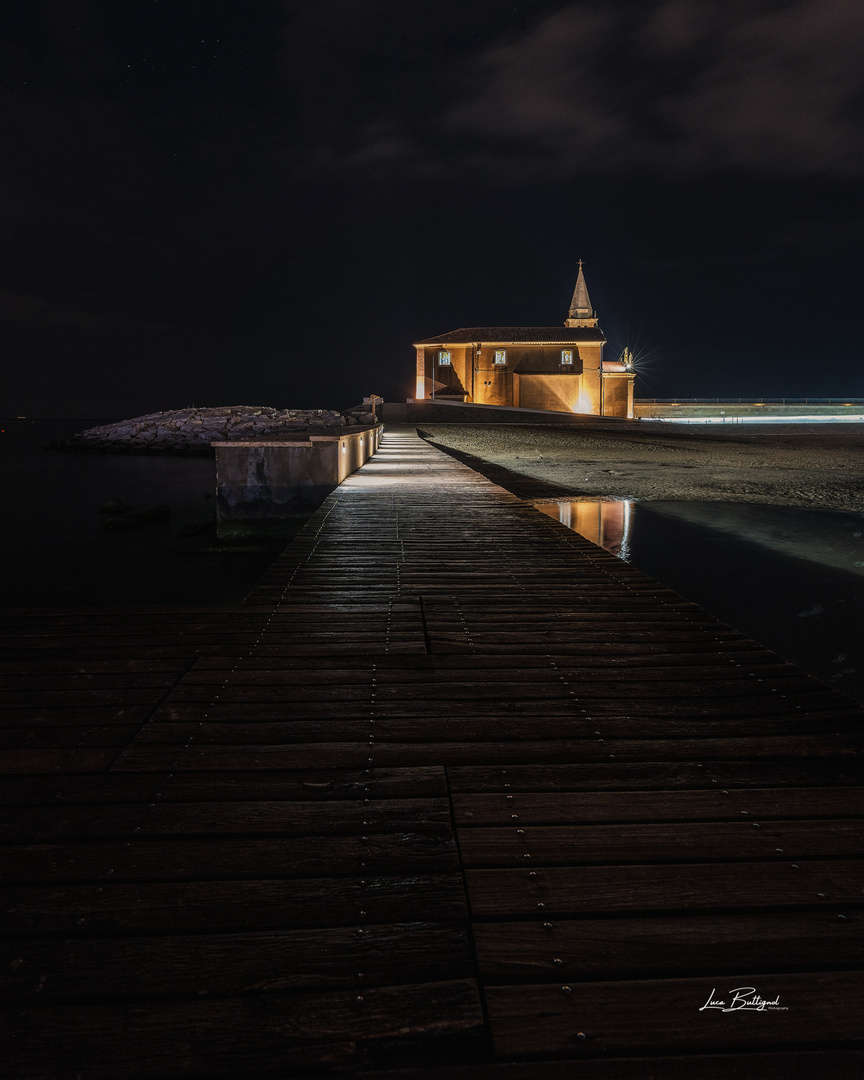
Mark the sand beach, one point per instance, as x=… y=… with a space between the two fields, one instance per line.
x=806 y=465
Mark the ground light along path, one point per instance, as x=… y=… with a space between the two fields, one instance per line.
x=455 y=790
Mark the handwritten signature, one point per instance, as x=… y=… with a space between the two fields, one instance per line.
x=744 y=999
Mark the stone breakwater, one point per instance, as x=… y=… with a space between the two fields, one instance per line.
x=190 y=431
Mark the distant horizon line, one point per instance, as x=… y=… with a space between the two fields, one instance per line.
x=752 y=400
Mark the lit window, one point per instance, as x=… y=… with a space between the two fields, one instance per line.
x=444 y=359
x=566 y=356
x=500 y=356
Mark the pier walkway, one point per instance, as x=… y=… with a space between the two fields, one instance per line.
x=455 y=794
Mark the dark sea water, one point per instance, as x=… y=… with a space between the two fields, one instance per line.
x=792 y=579
x=55 y=551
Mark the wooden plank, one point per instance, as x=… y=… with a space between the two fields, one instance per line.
x=123 y=695
x=597 y=844
x=110 y=651
x=282 y=818
x=74 y=760
x=48 y=717
x=609 y=612
x=602 y=890
x=328 y=727
x=829 y=704
x=212 y=1038
x=457 y=643
x=274 y=724
x=94 y=620
x=289 y=856
x=609 y=1018
x=103 y=969
x=589 y=647
x=623 y=652
x=615 y=698
x=358 y=755
x=290 y=671
x=223 y=786
x=735 y=773
x=708 y=944
x=127 y=632
x=196 y=906
x=161 y=644
x=103 y=668
x=776 y=1065
x=47 y=682
x=234 y=690
x=67 y=735
x=558 y=641
x=565 y=807
x=122 y=611
x=814 y=711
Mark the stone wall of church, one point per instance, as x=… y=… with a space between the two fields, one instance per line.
x=616 y=399
x=530 y=377
x=561 y=393
x=494 y=386
x=453 y=378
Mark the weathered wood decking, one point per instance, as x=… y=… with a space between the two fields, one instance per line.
x=455 y=788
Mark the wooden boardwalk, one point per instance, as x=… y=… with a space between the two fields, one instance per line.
x=455 y=794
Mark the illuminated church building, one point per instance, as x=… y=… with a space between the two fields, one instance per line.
x=532 y=367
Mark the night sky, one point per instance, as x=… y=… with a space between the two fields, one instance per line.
x=260 y=202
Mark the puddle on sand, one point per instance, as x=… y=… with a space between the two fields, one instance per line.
x=791 y=578
x=606 y=524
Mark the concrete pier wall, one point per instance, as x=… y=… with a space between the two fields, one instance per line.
x=264 y=485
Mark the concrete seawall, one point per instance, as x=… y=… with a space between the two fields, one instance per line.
x=697 y=410
x=457 y=412
x=262 y=484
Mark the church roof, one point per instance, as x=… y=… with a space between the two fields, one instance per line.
x=517 y=335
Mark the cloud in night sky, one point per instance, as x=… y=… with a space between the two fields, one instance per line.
x=675 y=88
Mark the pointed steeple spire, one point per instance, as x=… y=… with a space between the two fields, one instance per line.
x=581 y=313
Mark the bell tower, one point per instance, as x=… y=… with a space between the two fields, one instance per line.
x=581 y=313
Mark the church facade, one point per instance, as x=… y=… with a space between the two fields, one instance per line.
x=532 y=367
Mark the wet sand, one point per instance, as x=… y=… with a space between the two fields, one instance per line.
x=812 y=465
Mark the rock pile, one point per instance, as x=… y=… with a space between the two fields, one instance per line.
x=190 y=431
x=361 y=414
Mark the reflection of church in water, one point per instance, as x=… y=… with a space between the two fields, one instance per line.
x=534 y=367
x=606 y=524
